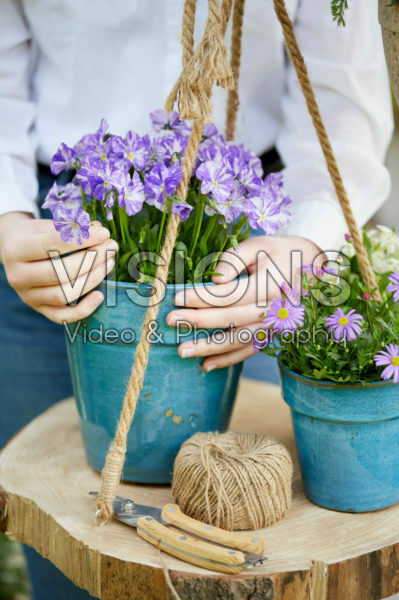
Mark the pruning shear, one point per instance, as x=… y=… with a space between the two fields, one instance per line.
x=212 y=548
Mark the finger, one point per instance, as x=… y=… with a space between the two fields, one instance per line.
x=70 y=314
x=227 y=359
x=255 y=289
x=43 y=273
x=234 y=262
x=60 y=295
x=212 y=318
x=45 y=238
x=219 y=343
x=227 y=294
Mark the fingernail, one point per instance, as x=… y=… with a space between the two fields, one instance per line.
x=171 y=319
x=186 y=352
x=179 y=299
x=110 y=264
x=102 y=234
x=113 y=245
x=97 y=298
x=210 y=367
x=221 y=273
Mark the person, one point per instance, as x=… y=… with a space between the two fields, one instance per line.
x=65 y=64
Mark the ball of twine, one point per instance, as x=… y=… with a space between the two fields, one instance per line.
x=233 y=480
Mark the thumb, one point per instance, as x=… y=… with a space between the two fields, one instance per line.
x=233 y=263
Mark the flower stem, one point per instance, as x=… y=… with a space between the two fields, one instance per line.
x=161 y=227
x=198 y=222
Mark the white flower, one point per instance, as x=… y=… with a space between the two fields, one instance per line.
x=385 y=249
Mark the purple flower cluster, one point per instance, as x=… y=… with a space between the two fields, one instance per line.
x=132 y=170
x=231 y=177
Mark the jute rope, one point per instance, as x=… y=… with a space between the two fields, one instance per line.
x=233 y=480
x=313 y=108
x=193 y=89
x=235 y=62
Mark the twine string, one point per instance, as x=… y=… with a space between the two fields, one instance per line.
x=313 y=108
x=201 y=68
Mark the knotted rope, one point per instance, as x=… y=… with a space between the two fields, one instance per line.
x=233 y=480
x=235 y=62
x=193 y=89
x=313 y=108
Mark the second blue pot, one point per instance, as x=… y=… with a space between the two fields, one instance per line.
x=178 y=398
x=347 y=438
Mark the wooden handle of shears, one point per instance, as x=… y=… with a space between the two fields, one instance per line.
x=190 y=549
x=172 y=514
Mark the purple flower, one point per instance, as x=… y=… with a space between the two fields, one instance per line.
x=99 y=182
x=73 y=224
x=250 y=180
x=63 y=160
x=132 y=194
x=163 y=120
x=161 y=182
x=129 y=152
x=389 y=357
x=260 y=339
x=182 y=209
x=90 y=139
x=232 y=208
x=345 y=326
x=215 y=180
x=267 y=211
x=69 y=196
x=394 y=277
x=173 y=148
x=209 y=130
x=283 y=316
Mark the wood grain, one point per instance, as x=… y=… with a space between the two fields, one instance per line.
x=314 y=554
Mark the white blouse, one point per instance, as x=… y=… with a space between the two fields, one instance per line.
x=65 y=64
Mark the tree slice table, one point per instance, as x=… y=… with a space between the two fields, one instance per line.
x=313 y=553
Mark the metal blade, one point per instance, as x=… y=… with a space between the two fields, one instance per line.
x=127 y=511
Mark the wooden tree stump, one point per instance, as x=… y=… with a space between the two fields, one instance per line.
x=314 y=553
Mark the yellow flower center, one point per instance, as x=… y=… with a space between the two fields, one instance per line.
x=283 y=313
x=262 y=218
x=130 y=156
x=75 y=225
x=343 y=321
x=162 y=188
x=105 y=183
x=103 y=157
x=395 y=361
x=215 y=183
x=228 y=204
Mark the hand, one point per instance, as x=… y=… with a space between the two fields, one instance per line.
x=238 y=305
x=24 y=246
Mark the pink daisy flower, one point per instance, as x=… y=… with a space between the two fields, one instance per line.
x=389 y=358
x=283 y=316
x=345 y=326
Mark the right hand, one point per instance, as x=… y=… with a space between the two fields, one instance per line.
x=24 y=246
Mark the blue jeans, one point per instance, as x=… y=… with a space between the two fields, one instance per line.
x=34 y=374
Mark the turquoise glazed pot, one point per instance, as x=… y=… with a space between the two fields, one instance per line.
x=178 y=398
x=347 y=438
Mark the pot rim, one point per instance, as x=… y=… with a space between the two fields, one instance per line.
x=324 y=383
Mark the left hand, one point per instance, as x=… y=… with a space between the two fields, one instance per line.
x=238 y=305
